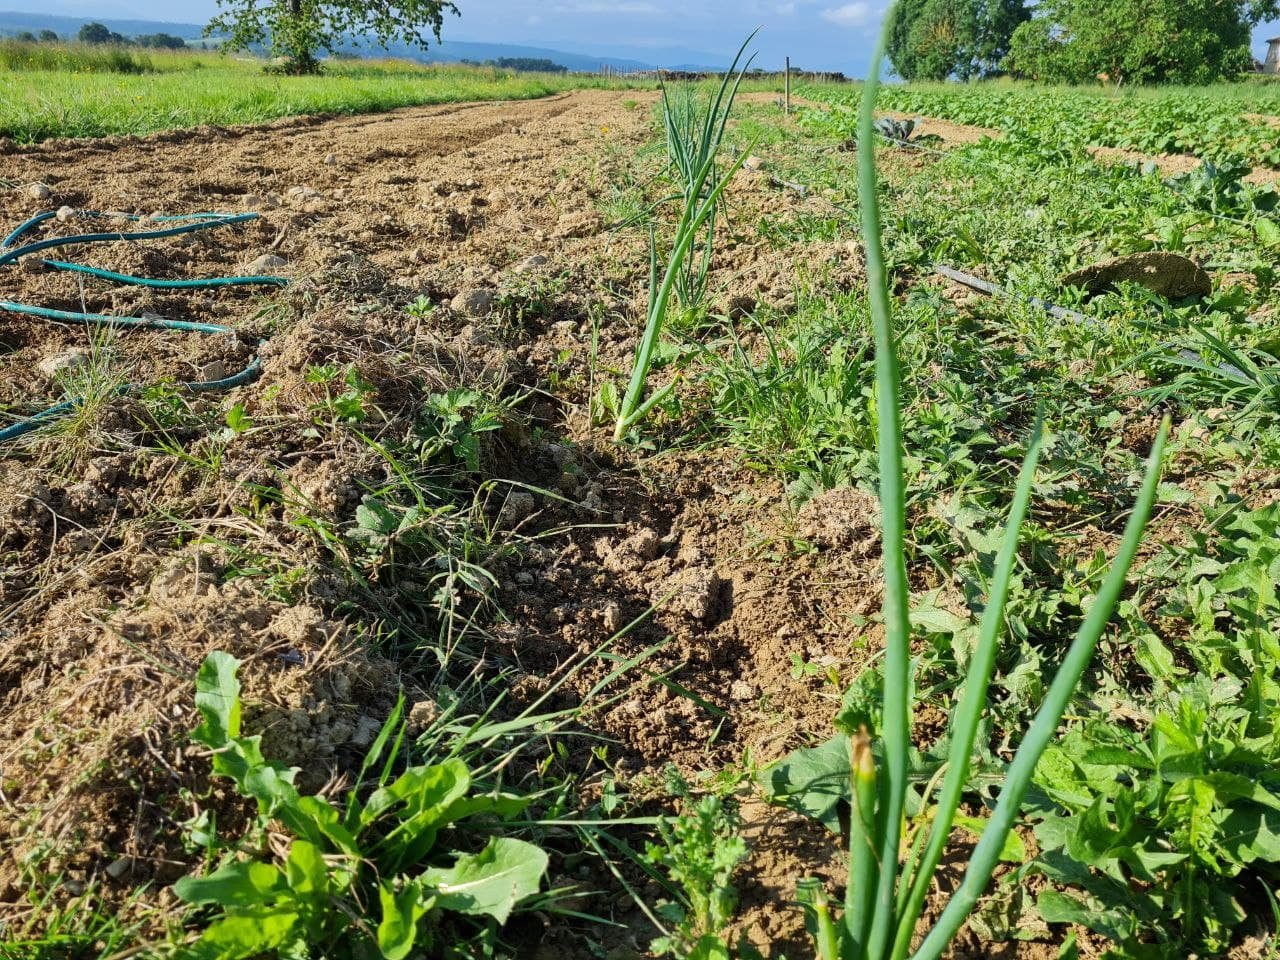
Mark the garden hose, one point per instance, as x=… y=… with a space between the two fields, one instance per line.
x=10 y=253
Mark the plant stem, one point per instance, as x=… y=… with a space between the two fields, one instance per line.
x=896 y=706
x=1045 y=726
x=863 y=868
x=969 y=713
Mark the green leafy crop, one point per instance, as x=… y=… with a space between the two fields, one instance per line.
x=377 y=856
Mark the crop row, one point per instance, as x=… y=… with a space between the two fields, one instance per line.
x=1208 y=125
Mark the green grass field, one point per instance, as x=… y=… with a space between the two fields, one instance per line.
x=83 y=95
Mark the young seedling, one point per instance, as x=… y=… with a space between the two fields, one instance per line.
x=693 y=149
x=886 y=893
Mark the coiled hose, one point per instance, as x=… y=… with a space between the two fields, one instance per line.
x=11 y=253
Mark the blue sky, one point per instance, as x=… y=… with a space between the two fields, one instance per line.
x=818 y=34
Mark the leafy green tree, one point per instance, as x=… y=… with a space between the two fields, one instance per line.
x=528 y=65
x=25 y=36
x=48 y=36
x=937 y=39
x=1137 y=41
x=162 y=41
x=298 y=29
x=94 y=33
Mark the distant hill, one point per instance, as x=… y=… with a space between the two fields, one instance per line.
x=449 y=51
x=455 y=51
x=11 y=23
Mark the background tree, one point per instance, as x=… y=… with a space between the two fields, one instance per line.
x=25 y=36
x=94 y=33
x=937 y=39
x=1137 y=41
x=528 y=65
x=299 y=29
x=48 y=36
x=162 y=41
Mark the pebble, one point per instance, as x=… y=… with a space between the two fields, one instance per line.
x=268 y=261
x=477 y=302
x=117 y=868
x=331 y=160
x=529 y=264
x=66 y=213
x=39 y=191
x=63 y=362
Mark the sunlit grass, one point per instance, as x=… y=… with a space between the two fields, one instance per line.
x=187 y=90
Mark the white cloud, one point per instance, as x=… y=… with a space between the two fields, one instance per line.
x=856 y=14
x=786 y=9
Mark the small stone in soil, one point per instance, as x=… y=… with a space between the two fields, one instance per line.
x=476 y=302
x=268 y=261
x=63 y=362
x=118 y=868
x=529 y=264
x=741 y=690
x=39 y=191
x=66 y=213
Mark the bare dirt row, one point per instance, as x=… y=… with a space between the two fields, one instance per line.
x=122 y=549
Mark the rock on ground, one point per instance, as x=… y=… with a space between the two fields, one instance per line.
x=1167 y=274
x=62 y=362
x=477 y=302
x=268 y=261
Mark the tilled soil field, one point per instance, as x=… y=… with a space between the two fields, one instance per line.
x=145 y=533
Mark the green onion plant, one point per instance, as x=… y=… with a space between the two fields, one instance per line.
x=694 y=137
x=887 y=887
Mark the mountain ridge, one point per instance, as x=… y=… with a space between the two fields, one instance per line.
x=447 y=51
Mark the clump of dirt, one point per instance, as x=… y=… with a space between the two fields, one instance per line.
x=842 y=517
x=1167 y=274
x=99 y=773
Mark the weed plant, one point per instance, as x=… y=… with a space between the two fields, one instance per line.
x=73 y=58
x=869 y=764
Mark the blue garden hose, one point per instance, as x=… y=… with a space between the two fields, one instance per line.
x=190 y=223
